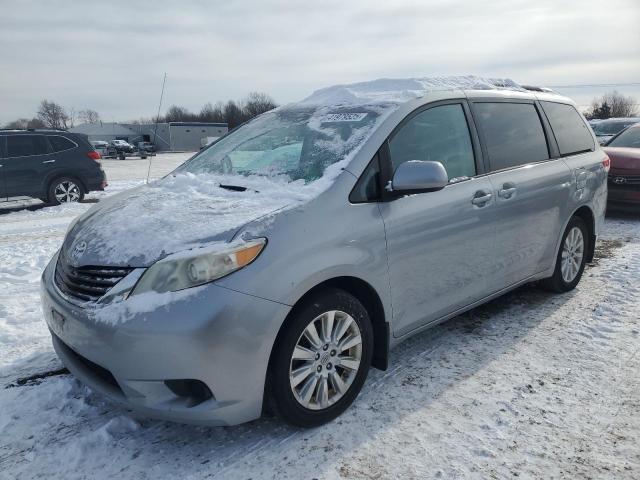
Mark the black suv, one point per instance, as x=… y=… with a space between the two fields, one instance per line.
x=52 y=165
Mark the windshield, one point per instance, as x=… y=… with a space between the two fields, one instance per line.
x=630 y=138
x=296 y=142
x=610 y=128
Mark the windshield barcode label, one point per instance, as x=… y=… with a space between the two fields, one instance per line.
x=344 y=117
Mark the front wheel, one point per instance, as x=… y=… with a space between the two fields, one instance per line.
x=571 y=258
x=322 y=359
x=65 y=189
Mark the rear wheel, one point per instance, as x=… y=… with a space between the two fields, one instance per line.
x=322 y=360
x=64 y=190
x=571 y=258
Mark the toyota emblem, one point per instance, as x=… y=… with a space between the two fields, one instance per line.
x=619 y=180
x=78 y=250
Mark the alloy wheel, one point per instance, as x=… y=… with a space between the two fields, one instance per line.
x=572 y=254
x=325 y=360
x=67 y=191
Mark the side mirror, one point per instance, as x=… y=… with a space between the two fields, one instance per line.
x=417 y=176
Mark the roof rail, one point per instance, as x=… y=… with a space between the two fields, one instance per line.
x=32 y=130
x=534 y=88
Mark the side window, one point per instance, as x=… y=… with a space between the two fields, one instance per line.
x=26 y=145
x=59 y=143
x=439 y=134
x=512 y=133
x=367 y=188
x=570 y=130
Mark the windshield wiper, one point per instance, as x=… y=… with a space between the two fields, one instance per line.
x=237 y=188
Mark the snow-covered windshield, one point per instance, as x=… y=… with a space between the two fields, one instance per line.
x=294 y=142
x=630 y=138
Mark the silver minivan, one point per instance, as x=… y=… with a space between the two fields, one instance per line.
x=274 y=267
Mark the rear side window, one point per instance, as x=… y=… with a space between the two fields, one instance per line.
x=512 y=133
x=59 y=143
x=571 y=132
x=26 y=145
x=439 y=134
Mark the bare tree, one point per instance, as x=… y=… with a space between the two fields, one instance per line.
x=257 y=103
x=178 y=114
x=89 y=116
x=53 y=115
x=233 y=114
x=612 y=104
x=24 y=123
x=19 y=124
x=211 y=113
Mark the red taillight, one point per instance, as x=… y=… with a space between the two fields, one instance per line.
x=93 y=155
x=606 y=163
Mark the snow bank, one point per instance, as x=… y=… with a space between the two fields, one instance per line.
x=404 y=90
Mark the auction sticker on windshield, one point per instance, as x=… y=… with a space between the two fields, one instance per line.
x=344 y=117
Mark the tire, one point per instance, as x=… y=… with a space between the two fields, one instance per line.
x=563 y=282
x=122 y=156
x=65 y=189
x=327 y=369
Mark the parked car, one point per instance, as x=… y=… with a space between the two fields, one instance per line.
x=624 y=176
x=101 y=147
x=120 y=149
x=146 y=147
x=606 y=129
x=54 y=166
x=277 y=265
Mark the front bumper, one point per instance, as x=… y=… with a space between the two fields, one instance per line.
x=213 y=335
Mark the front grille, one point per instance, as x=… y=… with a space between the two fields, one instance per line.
x=628 y=179
x=87 y=284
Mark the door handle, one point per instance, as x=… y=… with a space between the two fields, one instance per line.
x=481 y=198
x=507 y=190
x=49 y=161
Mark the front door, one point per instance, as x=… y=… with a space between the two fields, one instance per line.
x=3 y=195
x=28 y=158
x=439 y=244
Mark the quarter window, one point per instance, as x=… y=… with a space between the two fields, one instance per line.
x=570 y=130
x=59 y=143
x=512 y=133
x=26 y=145
x=439 y=134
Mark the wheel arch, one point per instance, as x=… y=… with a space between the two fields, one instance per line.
x=369 y=298
x=586 y=214
x=58 y=175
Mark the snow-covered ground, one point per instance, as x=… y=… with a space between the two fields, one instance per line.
x=532 y=385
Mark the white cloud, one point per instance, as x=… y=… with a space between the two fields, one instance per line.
x=110 y=56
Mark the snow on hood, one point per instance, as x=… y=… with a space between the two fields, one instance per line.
x=140 y=226
x=404 y=90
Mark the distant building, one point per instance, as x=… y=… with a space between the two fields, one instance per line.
x=172 y=136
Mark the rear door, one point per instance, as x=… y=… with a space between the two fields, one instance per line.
x=577 y=148
x=530 y=183
x=439 y=244
x=27 y=159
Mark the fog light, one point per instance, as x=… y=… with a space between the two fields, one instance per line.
x=192 y=389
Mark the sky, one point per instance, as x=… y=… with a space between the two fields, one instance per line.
x=111 y=56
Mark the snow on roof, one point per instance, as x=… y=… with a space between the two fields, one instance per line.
x=404 y=90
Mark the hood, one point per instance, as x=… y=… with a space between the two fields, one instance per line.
x=140 y=226
x=624 y=160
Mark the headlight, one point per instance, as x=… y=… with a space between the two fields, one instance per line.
x=197 y=267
